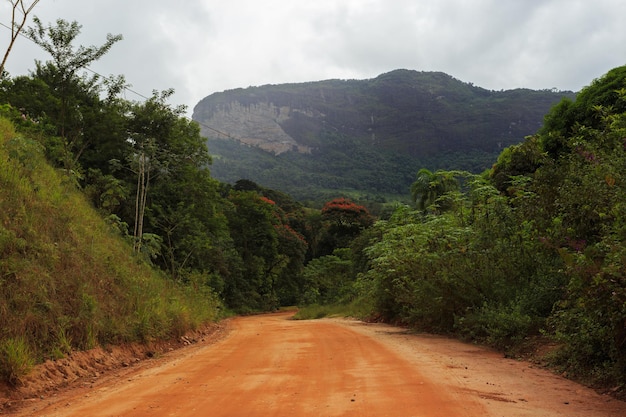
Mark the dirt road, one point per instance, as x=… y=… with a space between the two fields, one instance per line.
x=271 y=366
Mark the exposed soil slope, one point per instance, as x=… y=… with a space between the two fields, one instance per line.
x=271 y=366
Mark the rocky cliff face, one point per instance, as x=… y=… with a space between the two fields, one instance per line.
x=258 y=124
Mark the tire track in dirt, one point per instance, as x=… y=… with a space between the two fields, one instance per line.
x=269 y=365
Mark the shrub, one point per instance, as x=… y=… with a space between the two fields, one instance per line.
x=502 y=327
x=16 y=359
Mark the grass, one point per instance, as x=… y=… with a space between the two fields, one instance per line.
x=68 y=280
x=16 y=359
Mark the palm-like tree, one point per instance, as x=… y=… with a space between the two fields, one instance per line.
x=429 y=186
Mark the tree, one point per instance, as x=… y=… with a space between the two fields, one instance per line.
x=587 y=233
x=328 y=279
x=158 y=146
x=564 y=120
x=57 y=41
x=77 y=95
x=292 y=246
x=185 y=206
x=16 y=25
x=521 y=159
x=345 y=213
x=251 y=222
x=429 y=186
x=342 y=221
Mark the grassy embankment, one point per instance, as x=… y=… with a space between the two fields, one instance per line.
x=68 y=281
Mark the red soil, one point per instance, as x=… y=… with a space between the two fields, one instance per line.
x=269 y=365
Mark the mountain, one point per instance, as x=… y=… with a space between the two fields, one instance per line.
x=363 y=138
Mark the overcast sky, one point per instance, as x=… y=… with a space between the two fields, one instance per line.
x=199 y=47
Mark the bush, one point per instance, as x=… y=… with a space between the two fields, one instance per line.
x=328 y=279
x=502 y=327
x=16 y=359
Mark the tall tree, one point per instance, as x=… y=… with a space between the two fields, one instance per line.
x=77 y=94
x=342 y=220
x=150 y=131
x=58 y=42
x=251 y=221
x=429 y=186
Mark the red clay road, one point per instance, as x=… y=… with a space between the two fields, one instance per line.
x=269 y=365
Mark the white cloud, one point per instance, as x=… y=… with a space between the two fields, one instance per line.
x=206 y=46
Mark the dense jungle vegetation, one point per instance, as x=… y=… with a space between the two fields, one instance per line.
x=112 y=229
x=535 y=246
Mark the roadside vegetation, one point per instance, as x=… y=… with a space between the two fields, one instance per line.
x=112 y=230
x=68 y=279
x=533 y=248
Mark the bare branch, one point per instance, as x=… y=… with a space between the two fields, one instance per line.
x=16 y=27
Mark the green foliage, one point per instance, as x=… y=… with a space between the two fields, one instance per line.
x=270 y=251
x=429 y=187
x=144 y=166
x=315 y=311
x=343 y=169
x=70 y=101
x=174 y=195
x=16 y=359
x=503 y=327
x=67 y=280
x=564 y=120
x=589 y=320
x=516 y=160
x=255 y=239
x=57 y=41
x=534 y=248
x=359 y=308
x=413 y=266
x=68 y=276
x=293 y=248
x=328 y=279
x=106 y=192
x=342 y=221
x=471 y=270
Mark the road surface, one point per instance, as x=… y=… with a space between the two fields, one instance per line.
x=269 y=365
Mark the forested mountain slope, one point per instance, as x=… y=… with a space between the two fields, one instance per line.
x=364 y=137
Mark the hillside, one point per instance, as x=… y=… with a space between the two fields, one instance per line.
x=366 y=138
x=68 y=280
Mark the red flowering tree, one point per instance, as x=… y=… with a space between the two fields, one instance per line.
x=345 y=212
x=343 y=220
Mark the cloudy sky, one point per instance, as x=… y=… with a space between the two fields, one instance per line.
x=199 y=47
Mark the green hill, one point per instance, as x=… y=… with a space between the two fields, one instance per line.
x=366 y=138
x=67 y=278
